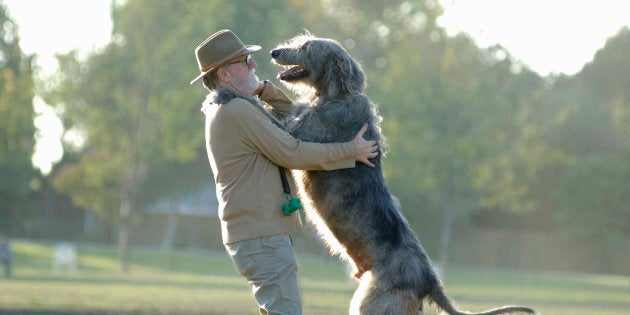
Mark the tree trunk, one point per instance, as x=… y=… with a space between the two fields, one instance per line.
x=134 y=175
x=123 y=232
x=171 y=228
x=448 y=217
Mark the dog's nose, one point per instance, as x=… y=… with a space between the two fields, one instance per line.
x=275 y=53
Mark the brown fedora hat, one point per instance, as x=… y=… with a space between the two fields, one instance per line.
x=219 y=48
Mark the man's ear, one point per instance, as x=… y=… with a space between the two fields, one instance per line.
x=223 y=74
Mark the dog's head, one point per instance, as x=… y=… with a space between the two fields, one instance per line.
x=318 y=63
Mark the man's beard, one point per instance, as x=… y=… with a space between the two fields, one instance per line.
x=250 y=86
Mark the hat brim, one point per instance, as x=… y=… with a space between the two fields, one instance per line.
x=248 y=50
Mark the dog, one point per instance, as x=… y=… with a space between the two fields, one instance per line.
x=352 y=209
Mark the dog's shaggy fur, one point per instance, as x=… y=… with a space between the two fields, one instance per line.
x=353 y=209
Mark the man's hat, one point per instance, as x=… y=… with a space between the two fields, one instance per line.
x=219 y=48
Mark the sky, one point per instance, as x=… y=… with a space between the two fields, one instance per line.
x=548 y=36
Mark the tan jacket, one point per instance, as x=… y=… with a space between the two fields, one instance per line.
x=245 y=148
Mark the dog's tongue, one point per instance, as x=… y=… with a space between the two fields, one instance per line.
x=284 y=73
x=292 y=73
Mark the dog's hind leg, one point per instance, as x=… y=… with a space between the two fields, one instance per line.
x=371 y=299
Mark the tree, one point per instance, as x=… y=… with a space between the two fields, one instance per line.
x=481 y=145
x=596 y=199
x=594 y=133
x=17 y=131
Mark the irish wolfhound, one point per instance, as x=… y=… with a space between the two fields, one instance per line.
x=353 y=209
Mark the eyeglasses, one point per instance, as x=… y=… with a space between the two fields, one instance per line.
x=247 y=61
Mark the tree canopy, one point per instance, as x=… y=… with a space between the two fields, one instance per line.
x=17 y=129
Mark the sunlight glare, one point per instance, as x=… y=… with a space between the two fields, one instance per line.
x=547 y=36
x=48 y=149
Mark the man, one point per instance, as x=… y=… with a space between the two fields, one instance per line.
x=245 y=148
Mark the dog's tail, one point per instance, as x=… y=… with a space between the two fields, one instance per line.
x=438 y=297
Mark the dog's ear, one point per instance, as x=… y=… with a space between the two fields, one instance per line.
x=350 y=78
x=343 y=64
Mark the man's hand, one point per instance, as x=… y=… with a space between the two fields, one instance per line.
x=261 y=87
x=365 y=149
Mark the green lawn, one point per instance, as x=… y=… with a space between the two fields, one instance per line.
x=207 y=283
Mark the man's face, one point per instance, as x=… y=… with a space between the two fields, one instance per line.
x=242 y=77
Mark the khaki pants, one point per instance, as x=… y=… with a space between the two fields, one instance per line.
x=269 y=265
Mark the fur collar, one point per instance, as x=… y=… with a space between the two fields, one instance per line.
x=223 y=96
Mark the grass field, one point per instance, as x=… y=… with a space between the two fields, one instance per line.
x=207 y=283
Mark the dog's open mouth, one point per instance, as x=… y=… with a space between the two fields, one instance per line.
x=293 y=73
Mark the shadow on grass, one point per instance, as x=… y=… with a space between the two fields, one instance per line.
x=104 y=258
x=224 y=282
x=89 y=312
x=27 y=312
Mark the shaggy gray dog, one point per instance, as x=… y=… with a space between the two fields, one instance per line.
x=353 y=209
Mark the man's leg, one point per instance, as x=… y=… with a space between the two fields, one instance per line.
x=269 y=265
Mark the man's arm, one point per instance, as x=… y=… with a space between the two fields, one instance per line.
x=280 y=105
